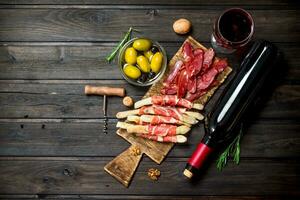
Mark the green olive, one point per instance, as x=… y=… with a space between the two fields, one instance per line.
x=156 y=62
x=148 y=55
x=142 y=44
x=143 y=63
x=132 y=71
x=130 y=55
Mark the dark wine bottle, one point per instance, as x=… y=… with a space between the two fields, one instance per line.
x=234 y=102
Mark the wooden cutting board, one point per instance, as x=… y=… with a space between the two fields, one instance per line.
x=124 y=165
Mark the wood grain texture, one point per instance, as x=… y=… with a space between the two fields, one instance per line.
x=59 y=100
x=145 y=2
x=123 y=166
x=88 y=177
x=50 y=49
x=149 y=197
x=87 y=60
x=157 y=151
x=28 y=137
x=108 y=24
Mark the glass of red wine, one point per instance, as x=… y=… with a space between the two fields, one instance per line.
x=232 y=30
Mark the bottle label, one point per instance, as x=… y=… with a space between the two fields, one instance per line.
x=200 y=155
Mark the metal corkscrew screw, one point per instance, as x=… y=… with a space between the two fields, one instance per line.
x=105 y=115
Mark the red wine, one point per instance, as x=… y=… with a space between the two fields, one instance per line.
x=235 y=25
x=233 y=29
x=234 y=102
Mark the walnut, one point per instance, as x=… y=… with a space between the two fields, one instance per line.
x=135 y=151
x=153 y=174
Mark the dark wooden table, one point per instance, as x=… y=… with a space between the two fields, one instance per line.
x=51 y=140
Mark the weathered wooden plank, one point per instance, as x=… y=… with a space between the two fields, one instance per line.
x=57 y=102
x=121 y=197
x=88 y=61
x=259 y=177
x=69 y=51
x=85 y=138
x=60 y=100
x=144 y=2
x=108 y=24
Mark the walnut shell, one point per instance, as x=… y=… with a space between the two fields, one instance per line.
x=182 y=26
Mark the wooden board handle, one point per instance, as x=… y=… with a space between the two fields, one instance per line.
x=108 y=91
x=124 y=165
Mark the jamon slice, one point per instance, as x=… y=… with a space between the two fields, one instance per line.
x=207 y=80
x=192 y=84
x=158 y=130
x=168 y=100
x=195 y=66
x=178 y=113
x=169 y=90
x=182 y=83
x=155 y=119
x=208 y=59
x=187 y=52
x=173 y=73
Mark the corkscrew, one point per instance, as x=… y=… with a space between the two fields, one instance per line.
x=105 y=91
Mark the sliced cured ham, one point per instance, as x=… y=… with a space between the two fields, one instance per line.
x=195 y=66
x=208 y=77
x=182 y=83
x=192 y=76
x=187 y=52
x=169 y=90
x=168 y=100
x=208 y=80
x=208 y=59
x=155 y=119
x=177 y=113
x=158 y=130
x=174 y=72
x=192 y=85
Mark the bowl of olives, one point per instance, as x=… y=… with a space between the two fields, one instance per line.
x=142 y=61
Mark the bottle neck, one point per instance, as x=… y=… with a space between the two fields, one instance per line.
x=200 y=154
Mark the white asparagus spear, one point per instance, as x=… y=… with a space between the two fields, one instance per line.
x=173 y=139
x=160 y=130
x=195 y=114
x=124 y=114
x=168 y=100
x=155 y=119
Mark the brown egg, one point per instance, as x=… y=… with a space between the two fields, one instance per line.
x=182 y=26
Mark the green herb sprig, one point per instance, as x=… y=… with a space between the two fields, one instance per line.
x=125 y=39
x=232 y=150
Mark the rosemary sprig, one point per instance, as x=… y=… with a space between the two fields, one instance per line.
x=232 y=149
x=125 y=39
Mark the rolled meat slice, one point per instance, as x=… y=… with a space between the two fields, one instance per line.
x=158 y=130
x=155 y=119
x=177 y=113
x=168 y=100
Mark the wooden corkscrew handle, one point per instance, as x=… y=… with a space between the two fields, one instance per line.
x=108 y=91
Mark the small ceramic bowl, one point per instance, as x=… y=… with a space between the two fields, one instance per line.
x=157 y=77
